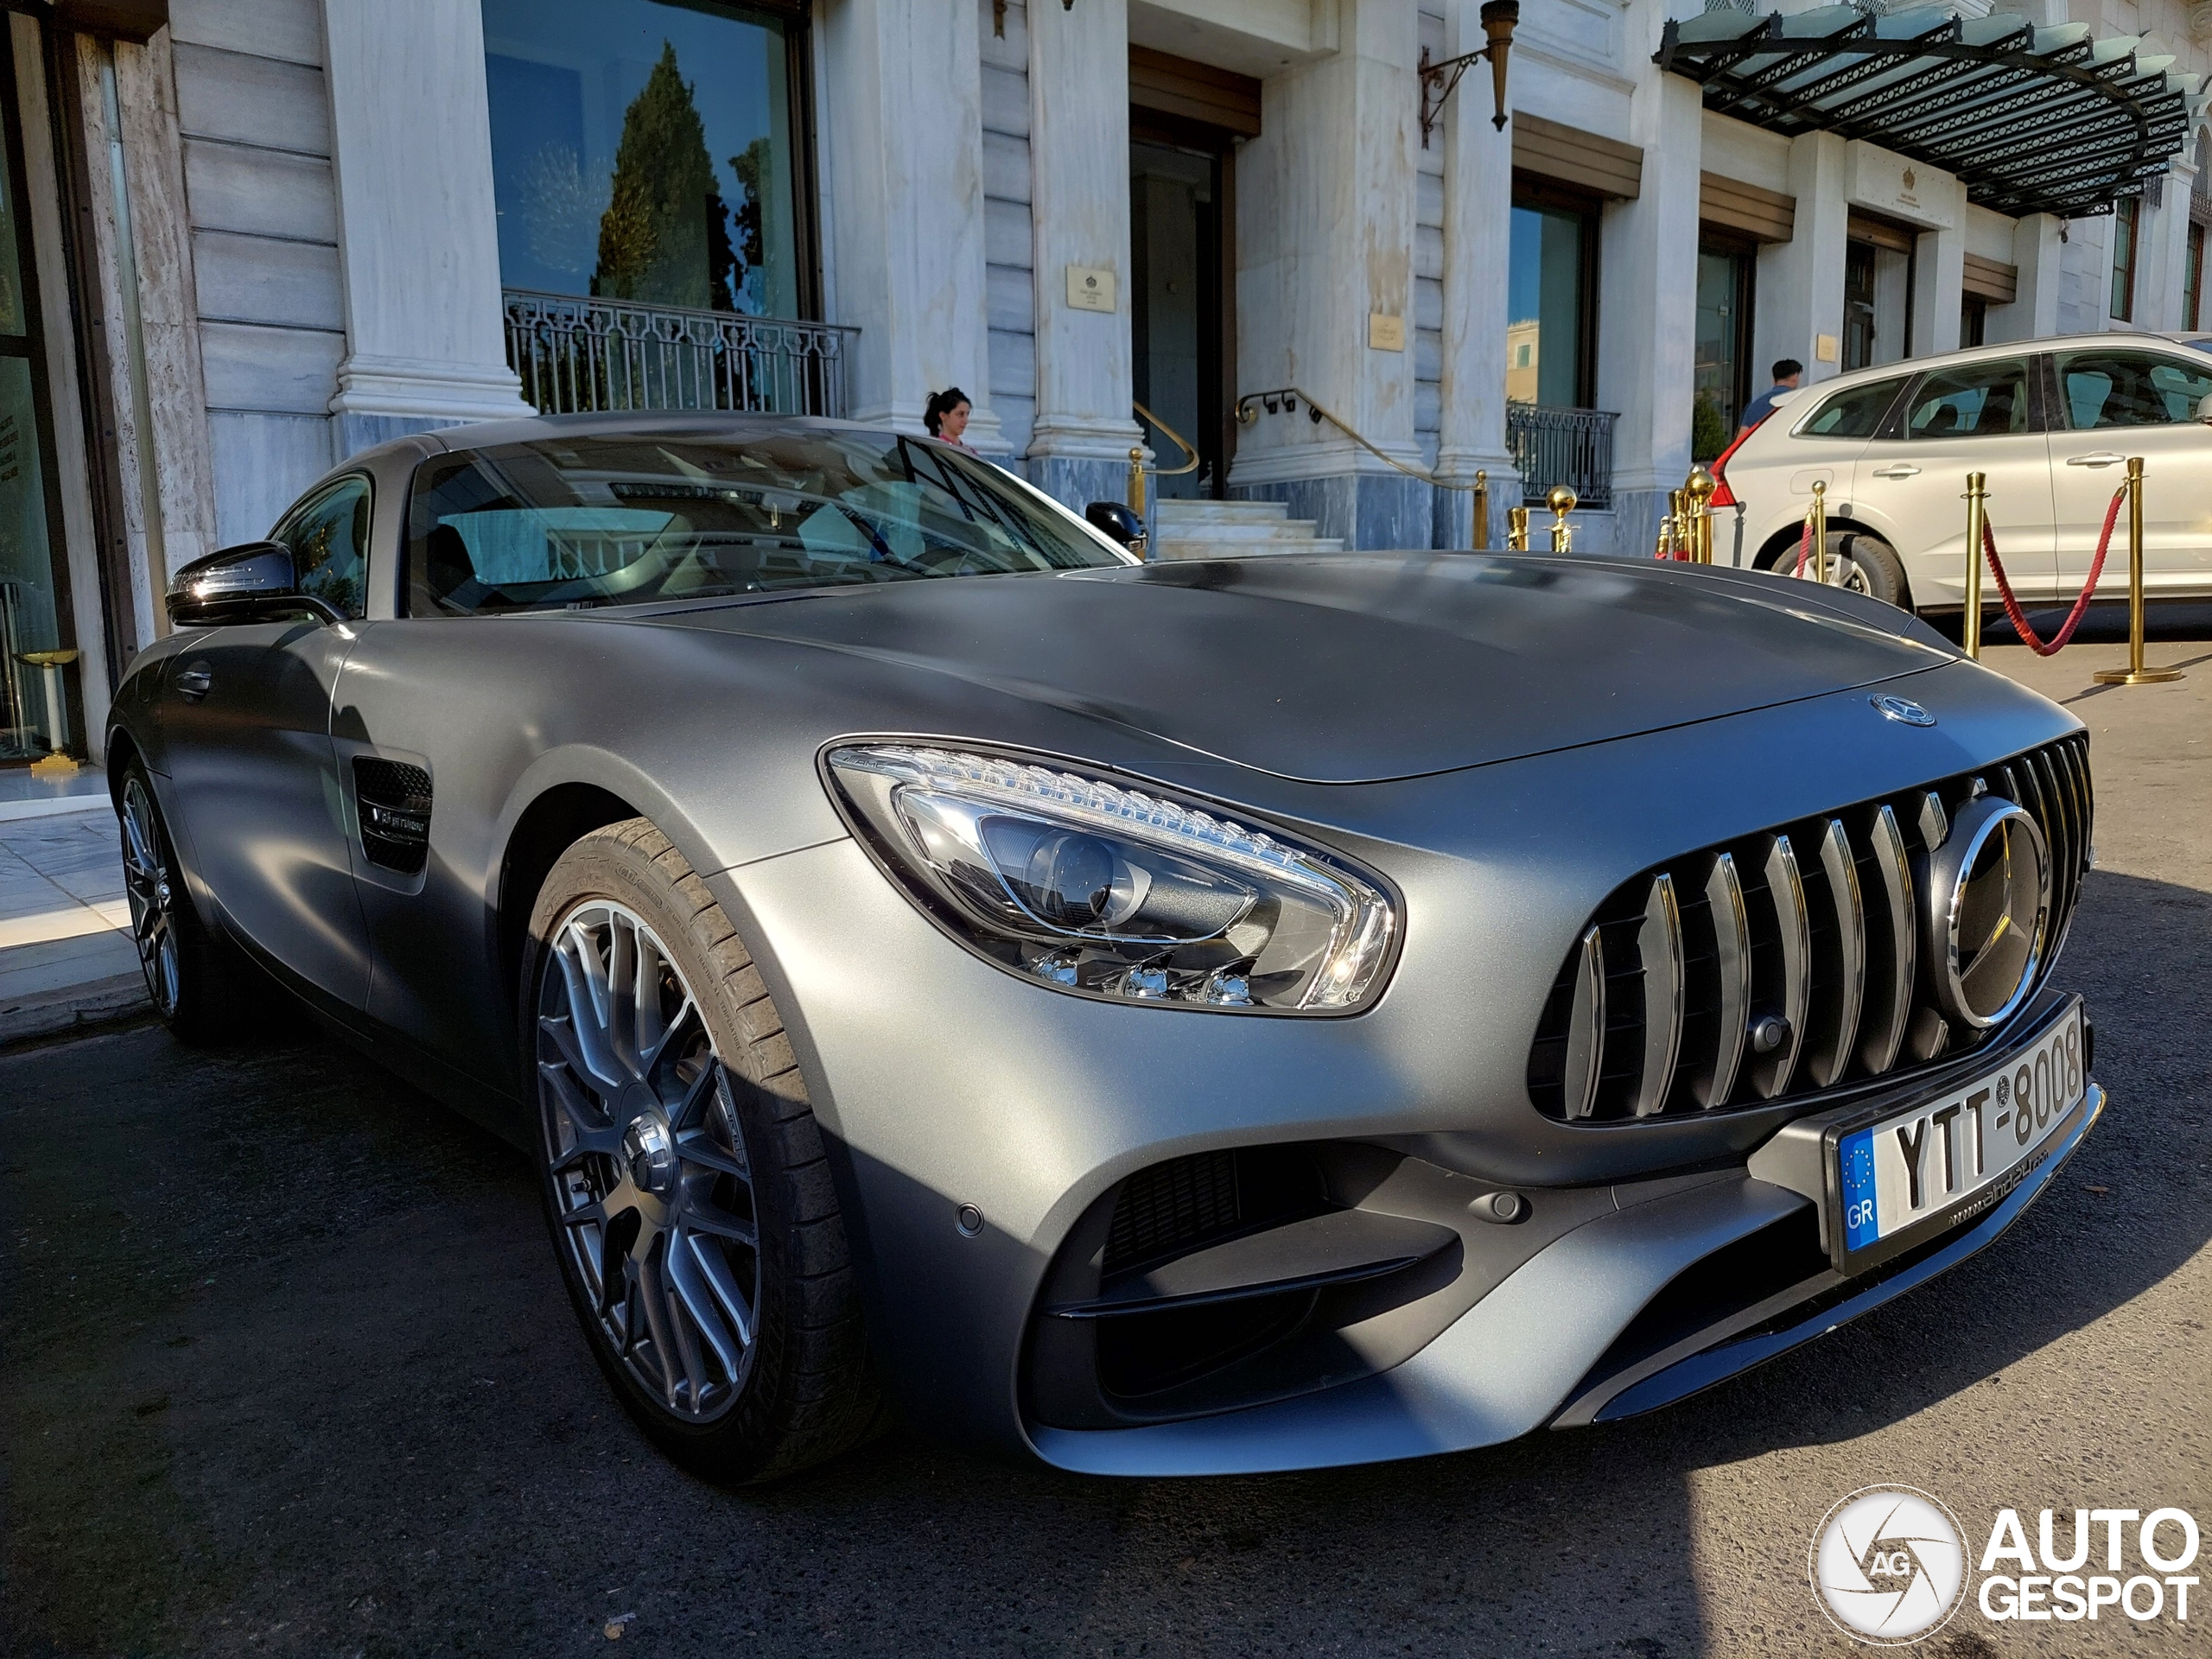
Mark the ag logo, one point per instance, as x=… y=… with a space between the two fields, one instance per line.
x=1887 y=1565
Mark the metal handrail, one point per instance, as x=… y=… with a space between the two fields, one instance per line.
x=1288 y=396
x=1138 y=469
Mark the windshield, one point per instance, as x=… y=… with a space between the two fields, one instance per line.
x=571 y=522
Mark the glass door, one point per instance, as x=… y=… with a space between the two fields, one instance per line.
x=38 y=645
x=1175 y=245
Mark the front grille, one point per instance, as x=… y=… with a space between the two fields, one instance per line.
x=1809 y=929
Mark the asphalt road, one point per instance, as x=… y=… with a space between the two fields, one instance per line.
x=285 y=1368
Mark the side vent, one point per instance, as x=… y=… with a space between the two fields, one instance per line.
x=1786 y=962
x=394 y=800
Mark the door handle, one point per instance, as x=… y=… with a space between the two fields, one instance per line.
x=195 y=683
x=2102 y=457
x=1897 y=469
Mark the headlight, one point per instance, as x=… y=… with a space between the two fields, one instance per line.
x=1111 y=892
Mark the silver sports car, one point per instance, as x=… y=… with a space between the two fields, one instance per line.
x=1167 y=1019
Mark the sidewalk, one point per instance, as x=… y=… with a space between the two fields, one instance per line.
x=65 y=957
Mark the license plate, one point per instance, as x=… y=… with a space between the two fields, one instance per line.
x=1924 y=1170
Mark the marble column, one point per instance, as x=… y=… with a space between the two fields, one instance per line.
x=1801 y=281
x=2034 y=311
x=1079 y=207
x=1325 y=223
x=1477 y=247
x=902 y=156
x=1939 y=268
x=418 y=236
x=1647 y=314
x=2162 y=276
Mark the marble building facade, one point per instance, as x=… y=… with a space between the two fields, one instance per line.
x=298 y=246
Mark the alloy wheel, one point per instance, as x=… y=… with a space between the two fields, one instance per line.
x=153 y=901
x=652 y=1187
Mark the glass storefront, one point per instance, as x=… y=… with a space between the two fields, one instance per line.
x=644 y=151
x=1723 y=345
x=38 y=674
x=1548 y=298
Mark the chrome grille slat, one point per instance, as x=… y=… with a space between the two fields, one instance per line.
x=1732 y=927
x=1829 y=1046
x=1660 y=944
x=1785 y=889
x=1812 y=926
x=1889 y=1000
x=1586 y=1026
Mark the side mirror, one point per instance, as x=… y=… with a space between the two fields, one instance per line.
x=255 y=581
x=2205 y=409
x=1119 y=524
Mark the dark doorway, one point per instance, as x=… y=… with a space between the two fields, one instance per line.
x=1175 y=263
x=1858 y=306
x=1185 y=121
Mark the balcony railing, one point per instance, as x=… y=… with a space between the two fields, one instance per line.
x=1573 y=447
x=577 y=355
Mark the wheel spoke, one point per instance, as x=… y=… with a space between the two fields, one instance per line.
x=696 y=1302
x=697 y=1149
x=712 y=1218
x=622 y=994
x=688 y=1112
x=715 y=1267
x=581 y=1034
x=647 y=1294
x=676 y=1027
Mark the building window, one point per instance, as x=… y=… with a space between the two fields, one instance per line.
x=1724 y=346
x=646 y=152
x=2125 y=217
x=1552 y=295
x=2193 y=282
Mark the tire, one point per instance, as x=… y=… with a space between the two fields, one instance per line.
x=1871 y=566
x=682 y=1171
x=1865 y=564
x=193 y=974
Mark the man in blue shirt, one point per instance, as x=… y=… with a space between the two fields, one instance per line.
x=1786 y=373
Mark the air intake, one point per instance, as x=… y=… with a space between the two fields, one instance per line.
x=1788 y=961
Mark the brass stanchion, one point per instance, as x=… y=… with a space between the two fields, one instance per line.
x=1481 y=537
x=2135 y=673
x=1516 y=529
x=1697 y=496
x=1561 y=501
x=1668 y=520
x=1977 y=517
x=1821 y=531
x=1136 y=482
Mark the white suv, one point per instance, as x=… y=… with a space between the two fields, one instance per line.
x=2052 y=423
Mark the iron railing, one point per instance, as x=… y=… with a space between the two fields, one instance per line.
x=1573 y=447
x=577 y=355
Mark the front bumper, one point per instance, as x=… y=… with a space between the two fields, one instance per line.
x=1538 y=1349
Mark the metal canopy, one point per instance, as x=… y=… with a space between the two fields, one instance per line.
x=2030 y=120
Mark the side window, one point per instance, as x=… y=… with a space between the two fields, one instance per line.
x=328 y=534
x=1978 y=401
x=1854 y=414
x=2100 y=389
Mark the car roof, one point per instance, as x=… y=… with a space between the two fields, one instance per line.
x=2113 y=340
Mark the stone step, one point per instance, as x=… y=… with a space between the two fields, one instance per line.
x=1279 y=530
x=1172 y=513
x=1196 y=549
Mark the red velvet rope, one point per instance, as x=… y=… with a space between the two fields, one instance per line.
x=1804 y=542
x=2018 y=617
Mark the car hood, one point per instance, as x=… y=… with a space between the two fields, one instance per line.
x=1369 y=667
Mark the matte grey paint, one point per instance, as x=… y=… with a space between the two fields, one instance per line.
x=1506 y=739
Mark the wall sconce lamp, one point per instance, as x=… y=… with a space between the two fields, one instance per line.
x=998 y=16
x=1438 y=79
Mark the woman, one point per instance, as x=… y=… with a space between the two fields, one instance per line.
x=946 y=415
